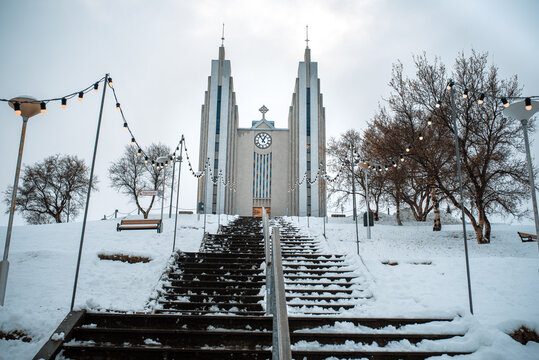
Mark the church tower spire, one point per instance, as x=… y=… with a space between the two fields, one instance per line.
x=218 y=136
x=307 y=124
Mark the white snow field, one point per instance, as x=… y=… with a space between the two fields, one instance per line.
x=426 y=278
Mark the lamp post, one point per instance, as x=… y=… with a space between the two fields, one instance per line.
x=177 y=192
x=163 y=160
x=26 y=107
x=451 y=88
x=205 y=190
x=365 y=169
x=173 y=159
x=523 y=111
x=352 y=162
x=218 y=179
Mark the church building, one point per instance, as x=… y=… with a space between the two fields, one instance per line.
x=262 y=166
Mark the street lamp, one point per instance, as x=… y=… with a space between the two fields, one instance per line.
x=523 y=111
x=26 y=107
x=180 y=159
x=353 y=159
x=163 y=160
x=365 y=169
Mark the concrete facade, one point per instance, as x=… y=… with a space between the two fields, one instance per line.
x=264 y=175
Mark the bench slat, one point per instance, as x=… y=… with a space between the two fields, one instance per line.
x=141 y=221
x=526 y=237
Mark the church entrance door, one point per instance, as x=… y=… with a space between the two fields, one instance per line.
x=257 y=211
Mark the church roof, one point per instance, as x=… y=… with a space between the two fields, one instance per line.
x=262 y=124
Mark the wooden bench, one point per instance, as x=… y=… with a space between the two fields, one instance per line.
x=139 y=224
x=527 y=237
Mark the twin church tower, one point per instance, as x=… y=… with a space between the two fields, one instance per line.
x=262 y=165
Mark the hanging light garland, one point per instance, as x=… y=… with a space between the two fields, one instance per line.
x=62 y=100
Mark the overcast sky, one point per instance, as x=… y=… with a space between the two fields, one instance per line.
x=159 y=54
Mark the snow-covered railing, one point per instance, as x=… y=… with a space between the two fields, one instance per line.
x=275 y=292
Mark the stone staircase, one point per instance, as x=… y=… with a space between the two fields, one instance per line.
x=211 y=306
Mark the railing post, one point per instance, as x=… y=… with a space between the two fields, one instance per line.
x=281 y=335
x=267 y=249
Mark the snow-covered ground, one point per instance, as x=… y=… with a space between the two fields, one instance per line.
x=428 y=277
x=42 y=269
x=424 y=275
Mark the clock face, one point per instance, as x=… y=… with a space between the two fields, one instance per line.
x=263 y=140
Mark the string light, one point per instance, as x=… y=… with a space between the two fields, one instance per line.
x=145 y=159
x=96 y=86
x=465 y=93
x=139 y=152
x=505 y=102
x=438 y=104
x=481 y=99
x=394 y=164
x=153 y=163
x=43 y=107
x=118 y=106
x=81 y=94
x=402 y=157
x=111 y=84
x=429 y=121
x=421 y=136
x=64 y=103
x=17 y=108
x=450 y=84
x=125 y=125
x=528 y=103
x=409 y=148
x=132 y=141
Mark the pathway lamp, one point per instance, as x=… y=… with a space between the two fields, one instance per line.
x=26 y=107
x=523 y=111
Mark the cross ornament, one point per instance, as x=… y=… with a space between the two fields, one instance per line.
x=263 y=110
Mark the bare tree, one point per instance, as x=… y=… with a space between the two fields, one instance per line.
x=131 y=173
x=340 y=155
x=47 y=187
x=490 y=145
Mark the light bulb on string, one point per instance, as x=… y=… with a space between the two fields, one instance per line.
x=465 y=93
x=421 y=136
x=481 y=99
x=17 y=108
x=96 y=86
x=139 y=151
x=505 y=102
x=528 y=103
x=118 y=106
x=145 y=159
x=132 y=141
x=409 y=148
x=153 y=163
x=402 y=157
x=429 y=121
x=43 y=107
x=81 y=94
x=450 y=84
x=394 y=164
x=64 y=103
x=438 y=104
x=125 y=125
x=110 y=82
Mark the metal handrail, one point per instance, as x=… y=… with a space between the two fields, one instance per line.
x=275 y=292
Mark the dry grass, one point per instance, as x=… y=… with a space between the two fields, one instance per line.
x=523 y=335
x=124 y=258
x=15 y=335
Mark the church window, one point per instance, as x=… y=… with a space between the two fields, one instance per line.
x=218 y=120
x=262 y=164
x=308 y=112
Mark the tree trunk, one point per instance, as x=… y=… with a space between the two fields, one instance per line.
x=398 y=211
x=436 y=207
x=375 y=215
